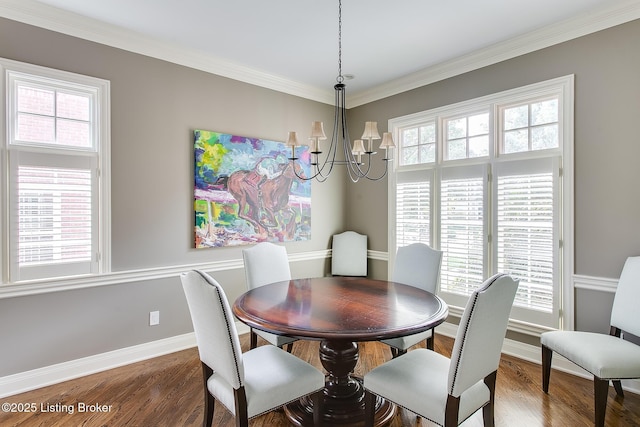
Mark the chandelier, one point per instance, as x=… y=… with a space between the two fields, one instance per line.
x=357 y=157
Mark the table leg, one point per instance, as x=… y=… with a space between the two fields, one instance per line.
x=343 y=392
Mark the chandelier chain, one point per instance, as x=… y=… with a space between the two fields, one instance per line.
x=340 y=79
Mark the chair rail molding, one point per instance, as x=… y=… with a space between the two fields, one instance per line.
x=595 y=283
x=131 y=276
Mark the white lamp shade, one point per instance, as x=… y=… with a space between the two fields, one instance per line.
x=292 y=140
x=317 y=130
x=358 y=147
x=371 y=131
x=387 y=141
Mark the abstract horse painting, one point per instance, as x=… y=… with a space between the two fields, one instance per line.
x=247 y=191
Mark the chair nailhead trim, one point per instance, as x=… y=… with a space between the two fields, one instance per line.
x=226 y=320
x=466 y=329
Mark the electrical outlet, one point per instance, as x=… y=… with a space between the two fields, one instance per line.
x=154 y=318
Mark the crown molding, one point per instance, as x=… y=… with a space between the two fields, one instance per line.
x=45 y=16
x=61 y=21
x=569 y=29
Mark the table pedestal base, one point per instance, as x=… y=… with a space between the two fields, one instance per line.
x=343 y=403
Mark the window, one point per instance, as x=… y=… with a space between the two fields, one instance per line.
x=492 y=195
x=418 y=144
x=466 y=137
x=529 y=127
x=56 y=155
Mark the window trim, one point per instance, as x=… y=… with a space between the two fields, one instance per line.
x=563 y=86
x=102 y=117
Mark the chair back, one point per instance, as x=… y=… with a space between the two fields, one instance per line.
x=349 y=254
x=417 y=265
x=478 y=344
x=265 y=263
x=625 y=303
x=215 y=329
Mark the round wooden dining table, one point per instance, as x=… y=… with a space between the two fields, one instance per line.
x=340 y=312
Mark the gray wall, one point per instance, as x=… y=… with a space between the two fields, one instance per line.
x=607 y=148
x=155 y=106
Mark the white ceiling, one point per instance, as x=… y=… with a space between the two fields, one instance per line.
x=291 y=45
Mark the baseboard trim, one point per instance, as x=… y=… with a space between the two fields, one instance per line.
x=54 y=374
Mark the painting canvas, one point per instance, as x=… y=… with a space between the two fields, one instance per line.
x=248 y=191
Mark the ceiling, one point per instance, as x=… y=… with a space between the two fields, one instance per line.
x=292 y=45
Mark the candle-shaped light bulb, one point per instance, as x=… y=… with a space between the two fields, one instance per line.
x=292 y=141
x=317 y=133
x=358 y=149
x=370 y=133
x=387 y=143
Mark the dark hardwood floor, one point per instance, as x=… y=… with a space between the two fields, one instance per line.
x=167 y=391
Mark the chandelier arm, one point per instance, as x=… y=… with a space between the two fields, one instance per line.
x=353 y=168
x=316 y=175
x=330 y=159
x=386 y=169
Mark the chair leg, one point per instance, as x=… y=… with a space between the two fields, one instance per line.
x=369 y=408
x=452 y=411
x=318 y=408
x=430 y=340
x=209 y=401
x=254 y=340
x=617 y=384
x=547 y=354
x=242 y=417
x=209 y=407
x=488 y=409
x=600 y=391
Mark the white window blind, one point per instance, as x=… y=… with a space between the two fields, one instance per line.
x=413 y=204
x=462 y=230
x=54 y=215
x=525 y=236
x=526 y=233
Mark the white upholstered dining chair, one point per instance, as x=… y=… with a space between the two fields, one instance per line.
x=267 y=263
x=417 y=265
x=448 y=391
x=248 y=384
x=349 y=254
x=606 y=357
